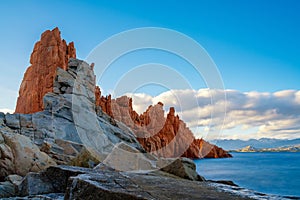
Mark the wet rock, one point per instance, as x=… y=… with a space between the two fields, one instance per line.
x=226 y=182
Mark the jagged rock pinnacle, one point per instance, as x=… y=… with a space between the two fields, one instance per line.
x=48 y=54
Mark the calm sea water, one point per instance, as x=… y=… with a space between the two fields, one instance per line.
x=270 y=173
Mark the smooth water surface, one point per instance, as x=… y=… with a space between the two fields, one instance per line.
x=267 y=172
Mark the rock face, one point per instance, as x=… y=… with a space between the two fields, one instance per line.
x=164 y=137
x=181 y=167
x=48 y=54
x=81 y=183
x=19 y=155
x=69 y=124
x=103 y=102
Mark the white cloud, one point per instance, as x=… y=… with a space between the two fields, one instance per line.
x=275 y=115
x=6 y=110
x=8 y=98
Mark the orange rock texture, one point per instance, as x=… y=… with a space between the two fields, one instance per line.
x=103 y=102
x=48 y=54
x=164 y=137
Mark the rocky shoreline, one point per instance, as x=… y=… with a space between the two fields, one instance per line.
x=33 y=147
x=67 y=182
x=62 y=143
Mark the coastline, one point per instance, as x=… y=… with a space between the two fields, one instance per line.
x=248 y=193
x=256 y=175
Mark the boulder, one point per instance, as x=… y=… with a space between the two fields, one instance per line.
x=9 y=188
x=21 y=155
x=127 y=158
x=181 y=167
x=84 y=159
x=14 y=179
x=51 y=180
x=6 y=159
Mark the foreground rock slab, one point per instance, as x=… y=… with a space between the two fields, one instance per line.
x=153 y=185
x=65 y=182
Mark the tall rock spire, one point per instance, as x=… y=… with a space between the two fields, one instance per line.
x=48 y=54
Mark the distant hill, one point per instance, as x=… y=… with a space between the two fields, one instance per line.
x=292 y=148
x=247 y=149
x=259 y=144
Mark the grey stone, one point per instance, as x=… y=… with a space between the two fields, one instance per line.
x=6 y=158
x=52 y=196
x=13 y=121
x=105 y=183
x=51 y=180
x=64 y=82
x=29 y=132
x=225 y=182
x=59 y=105
x=68 y=123
x=181 y=167
x=127 y=158
x=26 y=121
x=2 y=117
x=1 y=140
x=102 y=186
x=7 y=189
x=35 y=183
x=26 y=155
x=14 y=179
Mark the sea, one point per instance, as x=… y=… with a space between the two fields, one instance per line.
x=276 y=174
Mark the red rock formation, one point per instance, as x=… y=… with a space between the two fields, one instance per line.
x=166 y=137
x=48 y=54
x=103 y=102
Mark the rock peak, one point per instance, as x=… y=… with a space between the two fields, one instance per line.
x=172 y=111
x=48 y=54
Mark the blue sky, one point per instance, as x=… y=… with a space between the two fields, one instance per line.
x=254 y=43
